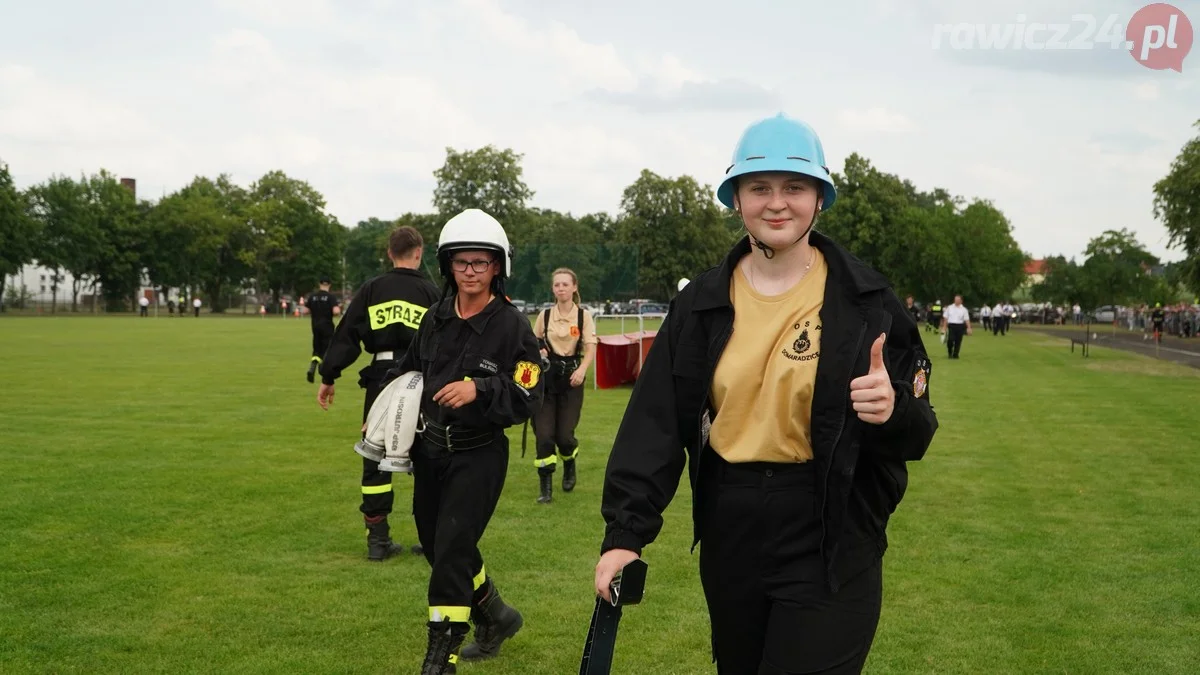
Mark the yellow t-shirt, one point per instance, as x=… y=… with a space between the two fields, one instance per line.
x=763 y=385
x=564 y=332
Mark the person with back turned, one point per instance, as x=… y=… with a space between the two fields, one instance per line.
x=322 y=307
x=383 y=316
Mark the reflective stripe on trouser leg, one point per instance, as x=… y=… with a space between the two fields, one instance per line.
x=454 y=497
x=480 y=578
x=377 y=493
x=450 y=613
x=544 y=430
x=570 y=455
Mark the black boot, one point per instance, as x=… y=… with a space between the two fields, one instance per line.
x=495 y=622
x=441 y=654
x=568 y=474
x=546 y=478
x=379 y=541
x=312 y=370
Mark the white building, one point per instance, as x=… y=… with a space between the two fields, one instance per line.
x=38 y=282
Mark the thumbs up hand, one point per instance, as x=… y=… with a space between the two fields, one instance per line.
x=872 y=394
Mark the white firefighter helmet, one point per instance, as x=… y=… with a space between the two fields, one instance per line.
x=683 y=282
x=474 y=229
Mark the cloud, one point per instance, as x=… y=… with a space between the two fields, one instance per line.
x=1147 y=91
x=875 y=119
x=40 y=111
x=653 y=96
x=574 y=63
x=285 y=13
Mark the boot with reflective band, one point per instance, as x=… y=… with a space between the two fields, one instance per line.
x=495 y=622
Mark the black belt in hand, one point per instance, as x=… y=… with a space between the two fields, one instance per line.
x=458 y=439
x=625 y=589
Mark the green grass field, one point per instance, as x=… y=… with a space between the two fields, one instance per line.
x=172 y=499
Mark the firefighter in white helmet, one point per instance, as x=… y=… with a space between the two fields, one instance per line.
x=481 y=369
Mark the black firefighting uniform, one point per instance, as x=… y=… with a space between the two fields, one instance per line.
x=320 y=307
x=383 y=315
x=461 y=458
x=935 y=316
x=791 y=560
x=1158 y=319
x=554 y=423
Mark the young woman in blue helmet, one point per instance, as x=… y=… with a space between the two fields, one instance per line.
x=794 y=385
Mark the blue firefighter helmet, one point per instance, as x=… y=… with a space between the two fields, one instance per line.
x=778 y=143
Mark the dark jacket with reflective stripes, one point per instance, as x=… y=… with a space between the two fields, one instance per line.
x=320 y=306
x=861 y=468
x=383 y=316
x=495 y=349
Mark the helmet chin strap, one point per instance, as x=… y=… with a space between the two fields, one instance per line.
x=769 y=251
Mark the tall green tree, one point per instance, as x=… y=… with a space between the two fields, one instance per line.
x=297 y=242
x=69 y=240
x=203 y=238
x=366 y=250
x=18 y=232
x=993 y=264
x=676 y=228
x=488 y=178
x=116 y=262
x=1117 y=268
x=1063 y=284
x=1177 y=205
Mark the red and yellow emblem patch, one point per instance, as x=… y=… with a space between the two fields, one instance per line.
x=919 y=383
x=574 y=331
x=527 y=374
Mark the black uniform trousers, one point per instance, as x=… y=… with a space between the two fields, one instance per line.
x=454 y=496
x=760 y=564
x=377 y=494
x=322 y=334
x=954 y=337
x=554 y=425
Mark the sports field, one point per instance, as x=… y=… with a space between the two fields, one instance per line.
x=172 y=499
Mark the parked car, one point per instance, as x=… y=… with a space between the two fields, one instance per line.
x=1105 y=313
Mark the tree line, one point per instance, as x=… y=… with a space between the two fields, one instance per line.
x=276 y=235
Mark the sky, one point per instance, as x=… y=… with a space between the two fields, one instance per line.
x=361 y=98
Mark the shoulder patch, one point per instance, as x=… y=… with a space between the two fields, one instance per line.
x=920 y=380
x=526 y=374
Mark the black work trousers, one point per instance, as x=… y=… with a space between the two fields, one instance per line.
x=954 y=337
x=377 y=491
x=322 y=335
x=554 y=427
x=771 y=610
x=454 y=497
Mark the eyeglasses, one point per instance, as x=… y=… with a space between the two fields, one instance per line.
x=480 y=266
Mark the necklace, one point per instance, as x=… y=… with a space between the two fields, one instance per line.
x=750 y=266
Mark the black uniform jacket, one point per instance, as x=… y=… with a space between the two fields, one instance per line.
x=861 y=467
x=320 y=306
x=383 y=315
x=496 y=349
